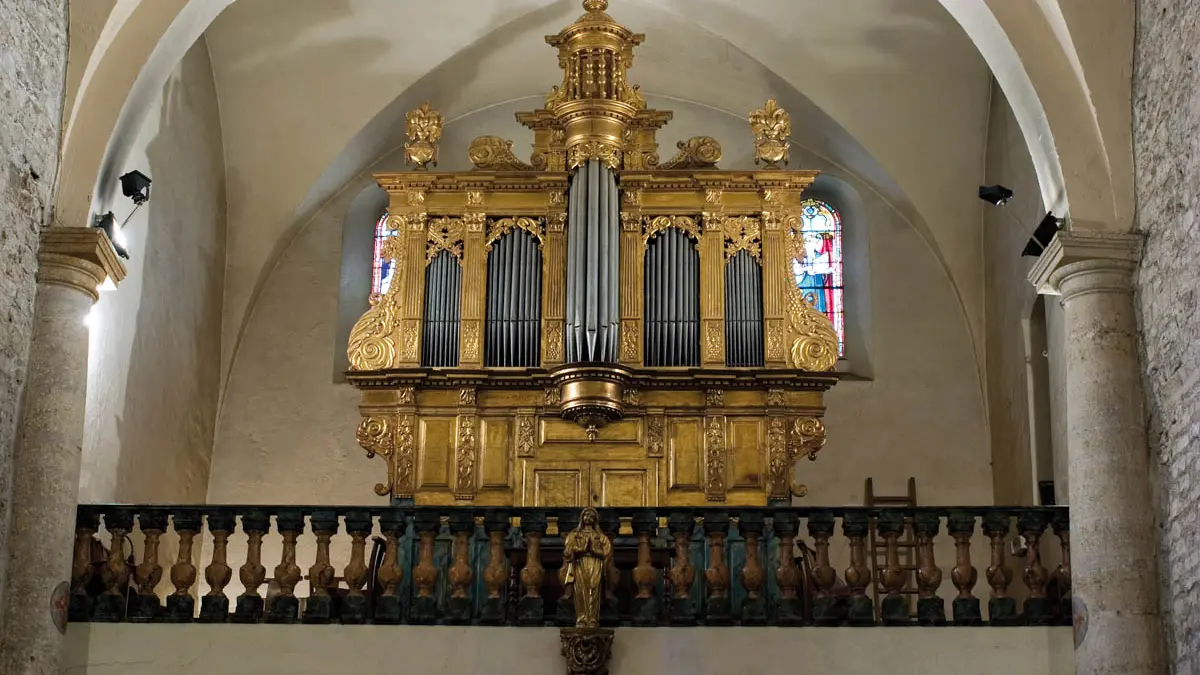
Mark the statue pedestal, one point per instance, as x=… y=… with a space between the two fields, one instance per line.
x=587 y=650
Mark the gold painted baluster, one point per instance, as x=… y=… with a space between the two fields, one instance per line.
x=894 y=605
x=1062 y=529
x=285 y=607
x=87 y=523
x=860 y=610
x=180 y=605
x=645 y=605
x=683 y=574
x=754 y=605
x=820 y=528
x=790 y=610
x=1002 y=609
x=931 y=611
x=1032 y=525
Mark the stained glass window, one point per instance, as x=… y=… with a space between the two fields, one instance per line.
x=817 y=262
x=381 y=270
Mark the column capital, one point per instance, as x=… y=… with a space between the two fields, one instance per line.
x=78 y=257
x=1083 y=261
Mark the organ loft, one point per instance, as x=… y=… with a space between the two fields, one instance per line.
x=599 y=325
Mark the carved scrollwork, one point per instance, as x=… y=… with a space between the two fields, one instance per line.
x=698 y=152
x=503 y=226
x=495 y=154
x=655 y=429
x=526 y=436
x=779 y=459
x=743 y=233
x=629 y=340
x=607 y=153
x=554 y=341
x=631 y=396
x=714 y=341
x=714 y=398
x=470 y=341
x=551 y=396
x=776 y=397
x=404 y=460
x=375 y=435
x=445 y=234
x=659 y=224
x=465 y=463
x=376 y=335
x=815 y=343
x=714 y=458
x=808 y=436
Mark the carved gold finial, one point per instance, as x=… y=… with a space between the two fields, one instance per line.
x=595 y=5
x=771 y=126
x=815 y=347
x=424 y=128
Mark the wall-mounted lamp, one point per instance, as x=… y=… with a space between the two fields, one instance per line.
x=1043 y=235
x=136 y=186
x=108 y=223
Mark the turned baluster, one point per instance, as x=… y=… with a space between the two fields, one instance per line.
x=252 y=574
x=393 y=524
x=964 y=574
x=893 y=576
x=458 y=609
x=931 y=611
x=717 y=611
x=87 y=523
x=645 y=576
x=754 y=605
x=609 y=523
x=824 y=608
x=110 y=606
x=531 y=608
x=790 y=611
x=1032 y=525
x=1002 y=610
x=496 y=524
x=860 y=611
x=319 y=606
x=1062 y=529
x=354 y=605
x=180 y=605
x=214 y=606
x=285 y=607
x=425 y=574
x=683 y=574
x=145 y=606
x=568 y=519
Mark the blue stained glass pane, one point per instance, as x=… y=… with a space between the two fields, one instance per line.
x=817 y=262
x=381 y=270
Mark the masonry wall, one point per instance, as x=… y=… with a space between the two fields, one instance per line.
x=1166 y=129
x=33 y=56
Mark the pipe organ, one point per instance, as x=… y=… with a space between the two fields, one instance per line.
x=597 y=325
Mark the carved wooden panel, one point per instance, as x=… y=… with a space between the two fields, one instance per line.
x=496 y=437
x=435 y=453
x=685 y=442
x=555 y=484
x=562 y=431
x=747 y=458
x=624 y=484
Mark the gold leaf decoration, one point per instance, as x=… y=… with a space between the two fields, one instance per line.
x=607 y=153
x=374 y=434
x=743 y=234
x=698 y=152
x=503 y=226
x=779 y=460
x=495 y=154
x=657 y=225
x=423 y=128
x=445 y=234
x=771 y=126
x=373 y=339
x=815 y=344
x=714 y=459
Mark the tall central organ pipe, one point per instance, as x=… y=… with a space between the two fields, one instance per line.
x=593 y=246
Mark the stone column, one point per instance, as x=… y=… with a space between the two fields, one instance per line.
x=72 y=263
x=1113 y=533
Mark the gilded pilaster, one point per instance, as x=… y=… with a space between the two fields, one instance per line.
x=716 y=451
x=466 y=450
x=779 y=212
x=409 y=212
x=474 y=284
x=633 y=272
x=712 y=279
x=554 y=281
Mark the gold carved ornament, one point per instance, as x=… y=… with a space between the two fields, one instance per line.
x=445 y=234
x=743 y=233
x=465 y=486
x=503 y=226
x=423 y=128
x=606 y=153
x=659 y=224
x=375 y=435
x=771 y=126
x=815 y=343
x=495 y=154
x=714 y=458
x=376 y=335
x=698 y=152
x=526 y=436
x=779 y=459
x=808 y=437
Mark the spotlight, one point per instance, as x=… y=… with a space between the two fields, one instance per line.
x=136 y=186
x=1042 y=236
x=108 y=223
x=995 y=194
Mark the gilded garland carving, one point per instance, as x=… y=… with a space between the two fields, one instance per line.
x=470 y=341
x=445 y=234
x=779 y=460
x=776 y=397
x=410 y=340
x=495 y=154
x=423 y=128
x=808 y=436
x=714 y=341
x=771 y=126
x=405 y=459
x=474 y=198
x=631 y=397
x=659 y=224
x=655 y=427
x=465 y=484
x=698 y=152
x=466 y=396
x=743 y=234
x=503 y=226
x=714 y=398
x=474 y=222
x=554 y=340
x=629 y=340
x=607 y=153
x=815 y=343
x=714 y=459
x=776 y=336
x=631 y=222
x=526 y=436
x=556 y=222
x=551 y=396
x=406 y=396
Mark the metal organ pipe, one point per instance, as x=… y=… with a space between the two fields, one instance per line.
x=443 y=305
x=593 y=274
x=672 y=277
x=743 y=311
x=514 y=310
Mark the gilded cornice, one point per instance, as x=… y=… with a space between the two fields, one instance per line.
x=78 y=257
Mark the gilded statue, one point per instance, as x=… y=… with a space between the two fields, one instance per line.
x=423 y=126
x=586 y=552
x=771 y=126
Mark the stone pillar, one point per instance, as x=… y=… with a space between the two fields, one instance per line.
x=72 y=263
x=1113 y=533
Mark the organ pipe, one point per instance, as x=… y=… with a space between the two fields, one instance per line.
x=593 y=231
x=514 y=274
x=443 y=291
x=743 y=311
x=672 y=322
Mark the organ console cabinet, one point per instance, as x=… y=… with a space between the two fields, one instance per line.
x=597 y=325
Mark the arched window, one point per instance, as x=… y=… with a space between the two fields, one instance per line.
x=381 y=270
x=817 y=262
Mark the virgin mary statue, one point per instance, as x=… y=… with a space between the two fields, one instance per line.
x=586 y=552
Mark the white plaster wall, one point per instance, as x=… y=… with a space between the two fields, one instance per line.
x=153 y=364
x=127 y=649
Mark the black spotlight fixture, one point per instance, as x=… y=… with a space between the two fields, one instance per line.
x=136 y=186
x=1042 y=236
x=108 y=223
x=995 y=195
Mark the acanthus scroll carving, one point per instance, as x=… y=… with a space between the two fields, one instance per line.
x=655 y=428
x=376 y=336
x=495 y=154
x=445 y=234
x=503 y=226
x=465 y=482
x=376 y=436
x=659 y=224
x=629 y=340
x=743 y=233
x=779 y=460
x=815 y=347
x=714 y=459
x=714 y=341
x=554 y=341
x=470 y=341
x=526 y=436
x=698 y=152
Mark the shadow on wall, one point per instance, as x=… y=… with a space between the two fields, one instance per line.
x=165 y=436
